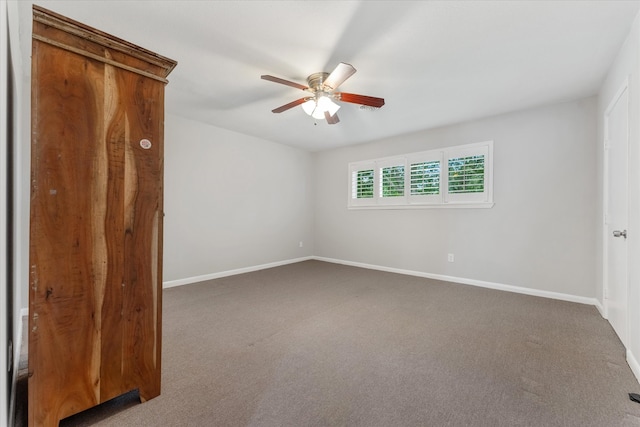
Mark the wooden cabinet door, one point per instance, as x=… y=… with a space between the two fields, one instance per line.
x=95 y=299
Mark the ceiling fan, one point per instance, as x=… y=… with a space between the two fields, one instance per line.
x=321 y=87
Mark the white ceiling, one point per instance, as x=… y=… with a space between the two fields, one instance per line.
x=434 y=62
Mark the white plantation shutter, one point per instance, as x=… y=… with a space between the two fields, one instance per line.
x=460 y=176
x=391 y=181
x=425 y=177
x=363 y=182
x=468 y=174
x=362 y=179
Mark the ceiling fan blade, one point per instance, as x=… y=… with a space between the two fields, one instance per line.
x=332 y=120
x=341 y=73
x=284 y=82
x=370 y=101
x=292 y=104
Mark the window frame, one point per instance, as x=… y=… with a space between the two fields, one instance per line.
x=470 y=150
x=443 y=199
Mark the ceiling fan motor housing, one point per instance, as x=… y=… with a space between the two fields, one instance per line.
x=316 y=81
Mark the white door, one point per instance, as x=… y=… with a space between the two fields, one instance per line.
x=616 y=212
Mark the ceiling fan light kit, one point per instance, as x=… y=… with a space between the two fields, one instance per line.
x=317 y=106
x=322 y=85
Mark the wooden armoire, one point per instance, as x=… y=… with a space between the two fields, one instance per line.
x=95 y=297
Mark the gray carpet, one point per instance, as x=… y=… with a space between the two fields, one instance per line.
x=319 y=344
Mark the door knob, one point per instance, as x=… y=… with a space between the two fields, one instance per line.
x=618 y=233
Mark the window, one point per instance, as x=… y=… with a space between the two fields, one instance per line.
x=450 y=177
x=466 y=175
x=362 y=177
x=364 y=184
x=468 y=178
x=391 y=181
x=392 y=184
x=425 y=178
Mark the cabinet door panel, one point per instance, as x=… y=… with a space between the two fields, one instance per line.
x=68 y=239
x=112 y=318
x=143 y=235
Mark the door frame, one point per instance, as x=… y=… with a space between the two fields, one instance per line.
x=605 y=205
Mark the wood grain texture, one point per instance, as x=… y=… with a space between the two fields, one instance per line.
x=96 y=231
x=371 y=101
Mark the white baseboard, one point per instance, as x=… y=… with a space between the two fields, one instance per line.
x=600 y=308
x=460 y=280
x=633 y=364
x=195 y=279
x=473 y=282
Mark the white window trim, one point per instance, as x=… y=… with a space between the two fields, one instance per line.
x=485 y=149
x=482 y=200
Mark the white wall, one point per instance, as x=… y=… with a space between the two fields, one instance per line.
x=21 y=60
x=539 y=235
x=232 y=201
x=5 y=303
x=17 y=260
x=626 y=66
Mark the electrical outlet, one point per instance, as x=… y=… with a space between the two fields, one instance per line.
x=300 y=244
x=450 y=258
